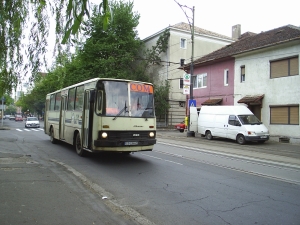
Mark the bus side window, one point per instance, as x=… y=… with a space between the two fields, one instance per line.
x=52 y=102
x=57 y=101
x=79 y=98
x=71 y=99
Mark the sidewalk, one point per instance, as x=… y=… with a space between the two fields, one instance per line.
x=278 y=152
x=46 y=193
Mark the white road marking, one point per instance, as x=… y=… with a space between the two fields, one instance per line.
x=31 y=129
x=162 y=159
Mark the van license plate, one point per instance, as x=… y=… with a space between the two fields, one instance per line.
x=263 y=136
x=131 y=143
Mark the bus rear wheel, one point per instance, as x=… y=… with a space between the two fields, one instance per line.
x=78 y=146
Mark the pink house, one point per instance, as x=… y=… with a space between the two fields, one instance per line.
x=214 y=83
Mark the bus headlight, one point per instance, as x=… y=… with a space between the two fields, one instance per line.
x=104 y=135
x=151 y=134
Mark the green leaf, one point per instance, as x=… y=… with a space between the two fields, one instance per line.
x=67 y=36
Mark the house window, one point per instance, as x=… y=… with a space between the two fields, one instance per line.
x=243 y=76
x=288 y=115
x=180 y=83
x=284 y=67
x=200 y=81
x=226 y=75
x=182 y=43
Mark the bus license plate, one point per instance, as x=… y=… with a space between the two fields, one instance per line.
x=131 y=143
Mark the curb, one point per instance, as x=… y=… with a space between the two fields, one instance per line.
x=4 y=128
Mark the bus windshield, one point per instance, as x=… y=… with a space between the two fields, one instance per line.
x=129 y=99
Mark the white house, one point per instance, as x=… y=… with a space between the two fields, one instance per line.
x=271 y=72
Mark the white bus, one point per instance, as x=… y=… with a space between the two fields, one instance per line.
x=102 y=114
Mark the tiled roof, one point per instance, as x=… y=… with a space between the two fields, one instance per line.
x=186 y=26
x=253 y=41
x=215 y=101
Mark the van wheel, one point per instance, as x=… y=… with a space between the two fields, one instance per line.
x=241 y=139
x=52 y=139
x=208 y=135
x=78 y=146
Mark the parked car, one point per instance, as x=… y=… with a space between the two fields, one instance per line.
x=32 y=122
x=18 y=118
x=181 y=126
x=6 y=117
x=11 y=117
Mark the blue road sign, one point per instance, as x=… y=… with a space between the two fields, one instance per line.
x=192 y=103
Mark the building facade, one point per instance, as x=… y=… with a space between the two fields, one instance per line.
x=262 y=72
x=180 y=47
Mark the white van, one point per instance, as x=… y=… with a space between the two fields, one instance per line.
x=233 y=122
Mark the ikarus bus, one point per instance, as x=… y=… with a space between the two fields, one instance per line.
x=102 y=115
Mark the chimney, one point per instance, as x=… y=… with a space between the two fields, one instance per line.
x=236 y=31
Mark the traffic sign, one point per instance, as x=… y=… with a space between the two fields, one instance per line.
x=192 y=103
x=186 y=89
x=186 y=79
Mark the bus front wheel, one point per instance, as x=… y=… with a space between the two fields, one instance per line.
x=78 y=146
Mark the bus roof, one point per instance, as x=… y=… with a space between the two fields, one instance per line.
x=96 y=79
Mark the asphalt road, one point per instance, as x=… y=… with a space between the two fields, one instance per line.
x=183 y=181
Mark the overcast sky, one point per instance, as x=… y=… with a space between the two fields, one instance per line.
x=217 y=15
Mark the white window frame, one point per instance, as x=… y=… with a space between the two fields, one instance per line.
x=243 y=76
x=201 y=78
x=226 y=77
x=183 y=42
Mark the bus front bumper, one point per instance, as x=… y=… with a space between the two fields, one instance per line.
x=123 y=143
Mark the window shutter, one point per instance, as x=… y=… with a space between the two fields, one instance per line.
x=294 y=115
x=294 y=66
x=279 y=115
x=279 y=68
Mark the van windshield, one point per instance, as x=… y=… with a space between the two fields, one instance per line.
x=249 y=119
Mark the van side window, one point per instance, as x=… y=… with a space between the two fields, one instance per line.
x=233 y=121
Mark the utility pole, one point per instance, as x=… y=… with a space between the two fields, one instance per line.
x=191 y=21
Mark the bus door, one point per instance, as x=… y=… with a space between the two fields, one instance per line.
x=62 y=118
x=85 y=136
x=46 y=114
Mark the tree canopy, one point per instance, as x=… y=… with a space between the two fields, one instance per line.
x=25 y=28
x=112 y=52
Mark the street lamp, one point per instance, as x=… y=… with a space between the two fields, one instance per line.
x=192 y=26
